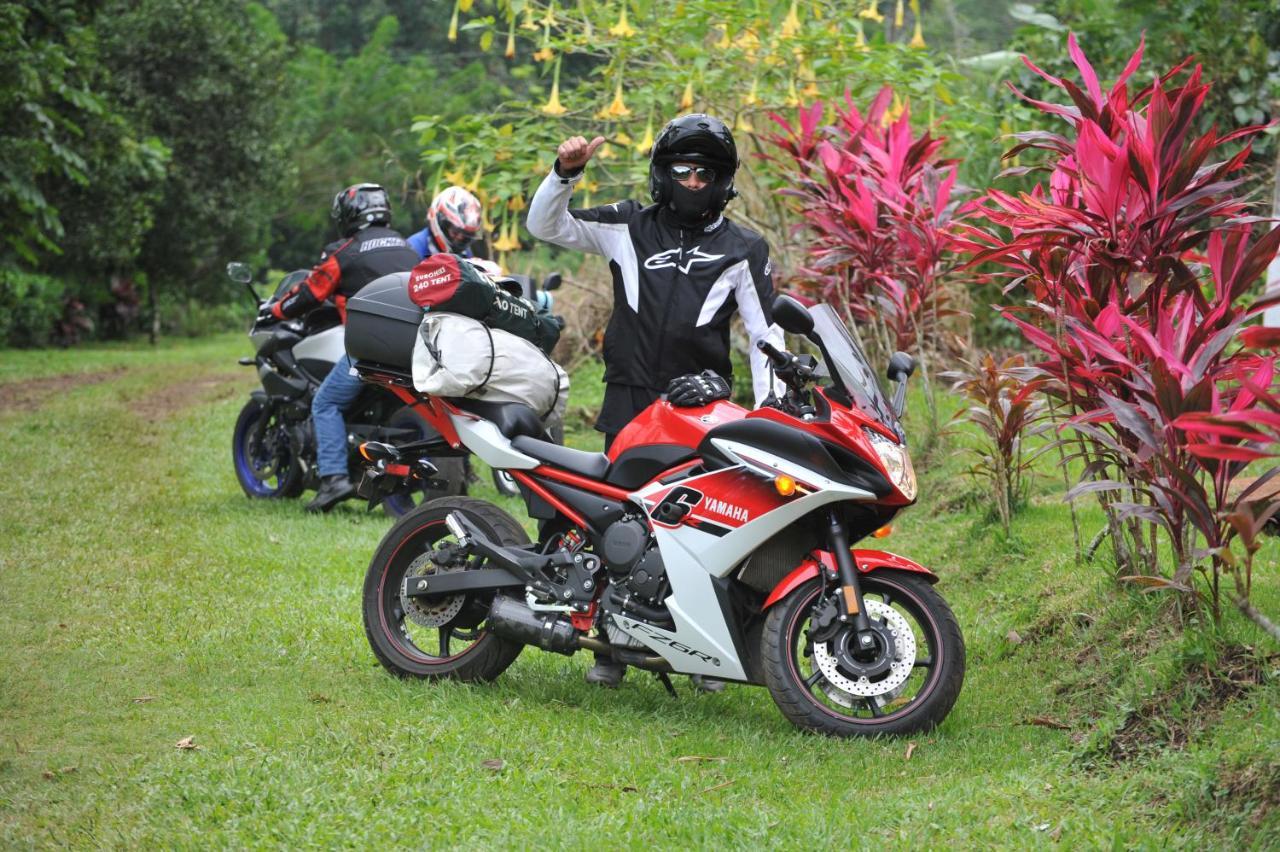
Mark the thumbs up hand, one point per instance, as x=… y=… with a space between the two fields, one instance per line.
x=574 y=153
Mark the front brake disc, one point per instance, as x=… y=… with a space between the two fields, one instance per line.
x=899 y=670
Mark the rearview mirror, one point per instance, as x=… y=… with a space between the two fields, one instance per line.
x=552 y=281
x=791 y=316
x=239 y=272
x=901 y=365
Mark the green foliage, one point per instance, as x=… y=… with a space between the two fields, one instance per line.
x=46 y=100
x=203 y=77
x=33 y=302
x=346 y=121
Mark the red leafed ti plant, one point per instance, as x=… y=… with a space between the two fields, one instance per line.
x=1138 y=261
x=875 y=198
x=1005 y=404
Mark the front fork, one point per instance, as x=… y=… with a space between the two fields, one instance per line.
x=852 y=610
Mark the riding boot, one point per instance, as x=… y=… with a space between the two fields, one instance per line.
x=333 y=490
x=606 y=672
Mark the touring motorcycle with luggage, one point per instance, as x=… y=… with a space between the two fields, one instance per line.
x=273 y=445
x=711 y=541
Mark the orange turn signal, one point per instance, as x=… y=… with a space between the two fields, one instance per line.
x=365 y=453
x=883 y=532
x=785 y=485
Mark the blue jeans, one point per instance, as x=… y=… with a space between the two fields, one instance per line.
x=338 y=390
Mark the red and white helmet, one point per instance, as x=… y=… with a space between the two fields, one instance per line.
x=454 y=219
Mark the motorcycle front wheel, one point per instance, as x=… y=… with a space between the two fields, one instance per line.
x=265 y=461
x=906 y=683
x=438 y=636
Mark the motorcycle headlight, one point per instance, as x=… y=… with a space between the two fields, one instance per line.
x=897 y=461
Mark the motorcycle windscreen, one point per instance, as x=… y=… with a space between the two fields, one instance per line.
x=849 y=362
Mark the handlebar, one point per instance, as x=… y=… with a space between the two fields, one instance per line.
x=779 y=358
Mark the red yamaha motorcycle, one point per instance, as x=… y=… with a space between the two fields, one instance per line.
x=710 y=541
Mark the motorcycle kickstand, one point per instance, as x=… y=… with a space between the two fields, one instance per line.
x=666 y=681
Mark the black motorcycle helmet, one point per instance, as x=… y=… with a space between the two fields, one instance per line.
x=695 y=138
x=359 y=206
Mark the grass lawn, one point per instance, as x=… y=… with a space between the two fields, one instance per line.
x=146 y=600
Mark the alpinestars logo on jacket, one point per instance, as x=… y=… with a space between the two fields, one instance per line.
x=672 y=257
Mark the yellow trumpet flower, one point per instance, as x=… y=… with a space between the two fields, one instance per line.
x=895 y=110
x=510 y=52
x=606 y=152
x=453 y=23
x=791 y=23
x=753 y=96
x=465 y=5
x=618 y=109
x=622 y=29
x=622 y=137
x=587 y=185
x=686 y=99
x=748 y=41
x=871 y=13
x=792 y=99
x=860 y=42
x=474 y=183
x=647 y=142
x=917 y=38
x=552 y=106
x=549 y=19
x=545 y=54
x=455 y=177
x=528 y=23
x=816 y=11
x=897 y=15
x=725 y=42
x=516 y=204
x=742 y=125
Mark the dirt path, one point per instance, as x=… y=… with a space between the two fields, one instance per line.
x=28 y=395
x=169 y=400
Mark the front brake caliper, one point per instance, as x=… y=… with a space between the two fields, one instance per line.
x=824 y=622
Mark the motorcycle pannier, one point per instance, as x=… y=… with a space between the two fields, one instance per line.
x=455 y=355
x=382 y=322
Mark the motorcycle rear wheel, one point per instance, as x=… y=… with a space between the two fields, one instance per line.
x=415 y=637
x=266 y=463
x=817 y=692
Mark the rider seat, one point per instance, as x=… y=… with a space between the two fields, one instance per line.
x=591 y=465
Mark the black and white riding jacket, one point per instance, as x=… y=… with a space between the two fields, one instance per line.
x=674 y=288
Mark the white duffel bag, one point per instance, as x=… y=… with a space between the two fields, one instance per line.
x=455 y=355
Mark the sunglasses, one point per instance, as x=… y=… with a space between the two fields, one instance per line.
x=683 y=173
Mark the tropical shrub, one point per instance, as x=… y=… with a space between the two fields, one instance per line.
x=875 y=202
x=1138 y=263
x=1004 y=402
x=621 y=69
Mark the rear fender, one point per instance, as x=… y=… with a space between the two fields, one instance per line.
x=866 y=560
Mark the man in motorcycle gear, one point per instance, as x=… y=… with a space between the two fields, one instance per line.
x=681 y=270
x=368 y=249
x=453 y=222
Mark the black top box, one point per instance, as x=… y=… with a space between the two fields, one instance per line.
x=381 y=322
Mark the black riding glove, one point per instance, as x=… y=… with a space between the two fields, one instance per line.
x=265 y=317
x=697 y=389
